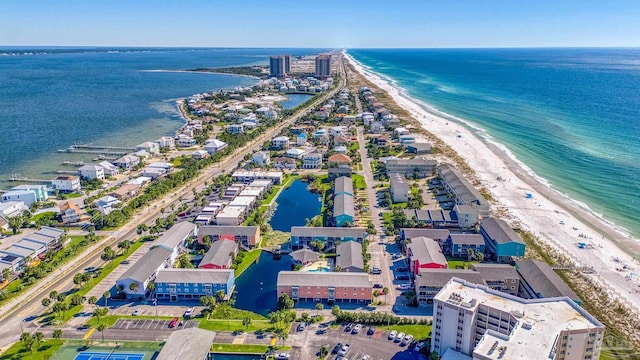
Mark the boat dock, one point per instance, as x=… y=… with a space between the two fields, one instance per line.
x=96 y=149
x=73 y=163
x=29 y=180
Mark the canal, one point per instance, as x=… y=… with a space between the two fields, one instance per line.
x=256 y=288
x=294 y=100
x=295 y=205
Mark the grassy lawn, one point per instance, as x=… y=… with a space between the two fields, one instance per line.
x=358 y=181
x=237 y=314
x=271 y=196
x=418 y=331
x=249 y=258
x=110 y=320
x=244 y=348
x=234 y=325
x=18 y=352
x=458 y=263
x=354 y=146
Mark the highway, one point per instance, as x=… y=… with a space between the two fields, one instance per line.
x=28 y=304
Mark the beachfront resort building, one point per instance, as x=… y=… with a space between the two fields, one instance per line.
x=429 y=282
x=501 y=241
x=461 y=190
x=539 y=280
x=187 y=284
x=28 y=194
x=91 y=172
x=302 y=236
x=486 y=324
x=328 y=287
x=66 y=183
x=464 y=245
x=399 y=188
x=425 y=253
x=323 y=66
x=279 y=65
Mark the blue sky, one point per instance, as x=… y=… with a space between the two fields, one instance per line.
x=321 y=23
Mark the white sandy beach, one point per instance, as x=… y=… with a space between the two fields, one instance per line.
x=556 y=220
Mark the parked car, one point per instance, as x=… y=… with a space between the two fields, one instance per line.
x=407 y=339
x=136 y=312
x=377 y=286
x=300 y=327
x=403 y=277
x=336 y=348
x=399 y=337
x=174 y=322
x=392 y=335
x=344 y=350
x=356 y=329
x=419 y=346
x=405 y=286
x=371 y=330
x=282 y=356
x=402 y=269
x=348 y=327
x=188 y=313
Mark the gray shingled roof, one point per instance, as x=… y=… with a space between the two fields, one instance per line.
x=173 y=237
x=192 y=343
x=467 y=194
x=343 y=184
x=397 y=179
x=354 y=232
x=305 y=255
x=496 y=272
x=426 y=251
x=500 y=231
x=147 y=264
x=224 y=230
x=440 y=277
x=436 y=234
x=194 y=276
x=419 y=161
x=218 y=254
x=336 y=279
x=343 y=204
x=467 y=239
x=349 y=254
x=543 y=280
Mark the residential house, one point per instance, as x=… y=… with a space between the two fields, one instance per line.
x=425 y=253
x=280 y=143
x=107 y=204
x=185 y=141
x=302 y=236
x=418 y=167
x=349 y=256
x=539 y=280
x=502 y=243
x=199 y=154
x=188 y=284
x=343 y=185
x=247 y=177
x=66 y=183
x=153 y=173
x=109 y=169
x=214 y=145
x=91 y=172
x=284 y=163
x=70 y=212
x=126 y=192
x=338 y=160
x=429 y=282
x=343 y=210
x=468 y=215
x=501 y=277
x=312 y=161
x=295 y=153
x=127 y=162
x=144 y=271
x=166 y=142
x=330 y=287
x=175 y=238
x=262 y=158
x=231 y=216
x=304 y=256
x=247 y=236
x=340 y=141
x=11 y=209
x=220 y=255
x=438 y=235
x=340 y=149
x=150 y=147
x=459 y=245
x=399 y=188
x=301 y=139
x=419 y=148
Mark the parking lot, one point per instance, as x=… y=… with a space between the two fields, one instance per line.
x=147 y=324
x=376 y=346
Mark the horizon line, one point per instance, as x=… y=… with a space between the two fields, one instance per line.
x=303 y=48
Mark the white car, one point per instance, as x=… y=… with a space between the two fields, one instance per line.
x=356 y=329
x=405 y=286
x=392 y=335
x=344 y=350
x=419 y=346
x=282 y=356
x=399 y=337
x=407 y=340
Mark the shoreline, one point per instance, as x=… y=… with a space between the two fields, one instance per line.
x=202 y=72
x=554 y=218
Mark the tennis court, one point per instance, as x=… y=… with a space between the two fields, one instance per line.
x=89 y=355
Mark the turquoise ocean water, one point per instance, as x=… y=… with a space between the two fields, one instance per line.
x=51 y=98
x=571 y=115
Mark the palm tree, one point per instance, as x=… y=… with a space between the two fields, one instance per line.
x=282 y=334
x=38 y=337
x=102 y=328
x=246 y=321
x=151 y=287
x=133 y=287
x=319 y=307
x=92 y=300
x=46 y=302
x=106 y=296
x=57 y=334
x=470 y=254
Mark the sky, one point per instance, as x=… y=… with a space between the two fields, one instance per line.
x=321 y=23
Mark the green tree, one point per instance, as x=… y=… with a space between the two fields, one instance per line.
x=324 y=351
x=92 y=300
x=246 y=321
x=283 y=334
x=27 y=340
x=102 y=328
x=15 y=223
x=125 y=245
x=46 y=302
x=319 y=307
x=335 y=310
x=220 y=295
x=106 y=296
x=317 y=245
x=53 y=295
x=38 y=337
x=337 y=268
x=225 y=310
x=57 y=334
x=285 y=302
x=98 y=312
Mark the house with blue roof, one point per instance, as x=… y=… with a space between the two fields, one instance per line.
x=501 y=241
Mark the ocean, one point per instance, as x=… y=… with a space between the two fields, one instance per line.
x=52 y=98
x=572 y=116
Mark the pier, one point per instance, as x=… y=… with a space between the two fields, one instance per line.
x=29 y=180
x=73 y=163
x=97 y=149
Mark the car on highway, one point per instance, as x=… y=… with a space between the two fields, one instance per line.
x=392 y=335
x=344 y=350
x=174 y=322
x=399 y=337
x=336 y=348
x=136 y=312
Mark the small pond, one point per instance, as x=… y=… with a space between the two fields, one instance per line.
x=295 y=205
x=294 y=100
x=256 y=288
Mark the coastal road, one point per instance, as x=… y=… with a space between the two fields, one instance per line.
x=28 y=304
